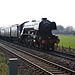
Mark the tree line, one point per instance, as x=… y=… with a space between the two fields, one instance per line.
x=65 y=31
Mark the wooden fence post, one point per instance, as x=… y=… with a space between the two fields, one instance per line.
x=62 y=47
x=13 y=66
x=69 y=48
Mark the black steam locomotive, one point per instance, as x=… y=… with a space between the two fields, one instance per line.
x=36 y=34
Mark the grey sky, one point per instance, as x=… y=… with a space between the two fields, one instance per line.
x=18 y=11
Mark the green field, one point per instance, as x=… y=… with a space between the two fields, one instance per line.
x=67 y=41
x=4 y=68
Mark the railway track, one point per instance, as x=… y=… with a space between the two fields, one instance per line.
x=41 y=65
x=69 y=56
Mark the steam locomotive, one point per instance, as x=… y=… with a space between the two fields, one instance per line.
x=36 y=34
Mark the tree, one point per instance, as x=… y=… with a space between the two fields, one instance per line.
x=69 y=30
x=60 y=30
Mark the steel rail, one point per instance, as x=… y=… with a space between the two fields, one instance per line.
x=46 y=61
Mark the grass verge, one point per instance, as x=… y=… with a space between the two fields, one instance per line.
x=4 y=68
x=67 y=41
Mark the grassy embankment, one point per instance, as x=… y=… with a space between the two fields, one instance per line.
x=4 y=68
x=67 y=41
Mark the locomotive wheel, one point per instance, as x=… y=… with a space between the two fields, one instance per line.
x=41 y=47
x=52 y=48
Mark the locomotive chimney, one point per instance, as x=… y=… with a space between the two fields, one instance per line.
x=44 y=18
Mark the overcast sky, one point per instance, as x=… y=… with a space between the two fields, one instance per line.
x=19 y=11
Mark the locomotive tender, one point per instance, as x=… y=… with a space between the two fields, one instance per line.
x=35 y=33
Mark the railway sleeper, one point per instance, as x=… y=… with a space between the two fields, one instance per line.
x=54 y=71
x=58 y=73
x=38 y=71
x=41 y=73
x=72 y=73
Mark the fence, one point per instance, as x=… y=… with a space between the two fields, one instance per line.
x=68 y=49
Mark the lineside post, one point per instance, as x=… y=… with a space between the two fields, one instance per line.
x=13 y=66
